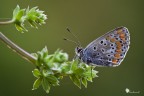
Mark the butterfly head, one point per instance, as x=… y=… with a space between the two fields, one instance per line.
x=78 y=51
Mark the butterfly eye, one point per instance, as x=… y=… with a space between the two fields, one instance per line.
x=79 y=50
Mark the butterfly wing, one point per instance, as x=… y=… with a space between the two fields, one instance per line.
x=109 y=49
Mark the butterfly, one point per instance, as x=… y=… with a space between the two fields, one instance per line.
x=108 y=50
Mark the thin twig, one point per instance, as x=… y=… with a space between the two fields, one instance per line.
x=6 y=22
x=17 y=49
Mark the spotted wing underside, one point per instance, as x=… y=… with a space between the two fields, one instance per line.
x=109 y=49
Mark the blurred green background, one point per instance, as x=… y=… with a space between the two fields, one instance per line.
x=88 y=20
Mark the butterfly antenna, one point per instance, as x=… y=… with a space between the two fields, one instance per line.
x=71 y=41
x=78 y=42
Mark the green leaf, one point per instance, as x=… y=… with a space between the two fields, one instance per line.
x=33 y=24
x=35 y=16
x=84 y=82
x=27 y=10
x=52 y=79
x=61 y=57
x=20 y=14
x=20 y=28
x=52 y=70
x=37 y=83
x=16 y=10
x=76 y=80
x=34 y=54
x=36 y=73
x=45 y=85
x=94 y=73
x=74 y=65
x=65 y=68
x=47 y=72
x=44 y=51
x=79 y=71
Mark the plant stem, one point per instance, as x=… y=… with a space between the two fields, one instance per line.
x=6 y=22
x=17 y=49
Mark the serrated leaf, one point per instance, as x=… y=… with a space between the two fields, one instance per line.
x=45 y=85
x=84 y=82
x=37 y=83
x=94 y=73
x=36 y=73
x=76 y=80
x=89 y=79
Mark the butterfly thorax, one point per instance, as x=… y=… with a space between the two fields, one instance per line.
x=80 y=54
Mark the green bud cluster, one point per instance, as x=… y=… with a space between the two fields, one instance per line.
x=33 y=16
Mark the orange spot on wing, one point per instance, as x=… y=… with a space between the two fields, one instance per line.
x=122 y=36
x=118 y=51
x=123 y=39
x=119 y=31
x=117 y=55
x=113 y=40
x=118 y=45
x=108 y=38
x=114 y=61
